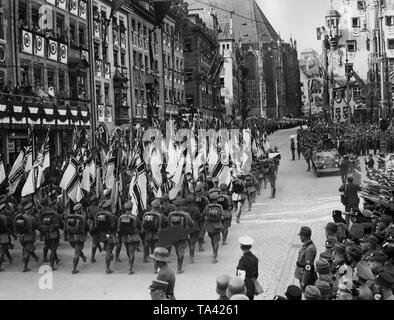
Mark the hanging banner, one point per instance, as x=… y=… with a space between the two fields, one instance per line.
x=63 y=54
x=39 y=48
x=53 y=50
x=27 y=42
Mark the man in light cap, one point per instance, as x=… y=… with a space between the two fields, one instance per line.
x=361 y=276
x=305 y=270
x=345 y=288
x=324 y=288
x=222 y=283
x=235 y=286
x=248 y=266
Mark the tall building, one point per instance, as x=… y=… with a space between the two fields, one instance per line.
x=47 y=73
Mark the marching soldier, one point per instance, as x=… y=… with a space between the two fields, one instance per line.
x=161 y=256
x=151 y=226
x=195 y=214
x=167 y=207
x=250 y=186
x=213 y=215
x=5 y=234
x=128 y=230
x=238 y=190
x=180 y=220
x=49 y=225
x=25 y=226
x=277 y=159
x=305 y=272
x=75 y=230
x=272 y=178
x=201 y=201
x=215 y=187
x=227 y=203
x=92 y=211
x=106 y=226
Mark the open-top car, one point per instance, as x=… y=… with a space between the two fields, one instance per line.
x=326 y=161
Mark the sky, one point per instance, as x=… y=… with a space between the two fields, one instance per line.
x=298 y=18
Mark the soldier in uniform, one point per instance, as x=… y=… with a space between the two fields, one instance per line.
x=215 y=187
x=250 y=182
x=305 y=271
x=128 y=230
x=49 y=226
x=195 y=214
x=248 y=266
x=201 y=201
x=384 y=283
x=227 y=203
x=213 y=215
x=106 y=224
x=362 y=275
x=237 y=188
x=75 y=231
x=5 y=234
x=161 y=258
x=92 y=211
x=166 y=207
x=272 y=178
x=25 y=226
x=151 y=226
x=180 y=220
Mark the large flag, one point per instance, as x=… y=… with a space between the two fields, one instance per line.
x=178 y=178
x=2 y=170
x=115 y=6
x=17 y=172
x=71 y=180
x=138 y=187
x=29 y=152
x=110 y=168
x=156 y=163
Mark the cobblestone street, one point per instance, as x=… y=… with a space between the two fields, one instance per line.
x=302 y=199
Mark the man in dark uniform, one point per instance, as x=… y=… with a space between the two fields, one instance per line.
x=227 y=204
x=305 y=270
x=166 y=207
x=202 y=201
x=5 y=234
x=151 y=226
x=161 y=257
x=92 y=211
x=25 y=226
x=75 y=231
x=195 y=214
x=128 y=229
x=248 y=266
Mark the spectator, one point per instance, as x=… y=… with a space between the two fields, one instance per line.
x=362 y=275
x=312 y=293
x=221 y=286
x=324 y=289
x=350 y=191
x=235 y=286
x=293 y=293
x=384 y=286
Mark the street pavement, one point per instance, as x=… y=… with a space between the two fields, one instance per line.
x=302 y=199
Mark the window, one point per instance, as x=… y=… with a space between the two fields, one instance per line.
x=351 y=45
x=25 y=72
x=116 y=58
x=357 y=92
x=140 y=61
x=137 y=95
x=62 y=82
x=35 y=15
x=60 y=25
x=360 y=4
x=22 y=13
x=98 y=93
x=51 y=76
x=356 y=22
x=38 y=74
x=228 y=46
x=82 y=34
x=390 y=44
x=188 y=45
x=73 y=33
x=82 y=87
x=390 y=21
x=142 y=95
x=135 y=60
x=106 y=93
x=146 y=63
x=221 y=82
x=133 y=24
x=123 y=59
x=96 y=51
x=156 y=66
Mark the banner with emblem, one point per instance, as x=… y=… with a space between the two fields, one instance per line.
x=63 y=54
x=53 y=50
x=39 y=47
x=2 y=55
x=82 y=10
x=62 y=4
x=27 y=42
x=74 y=7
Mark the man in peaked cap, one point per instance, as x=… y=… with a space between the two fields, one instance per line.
x=293 y=293
x=305 y=269
x=324 y=288
x=312 y=293
x=362 y=275
x=248 y=266
x=368 y=244
x=222 y=283
x=330 y=244
x=331 y=231
x=158 y=290
x=384 y=283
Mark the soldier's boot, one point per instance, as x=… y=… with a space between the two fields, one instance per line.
x=200 y=248
x=26 y=263
x=8 y=255
x=57 y=259
x=117 y=253
x=215 y=254
x=146 y=253
x=93 y=256
x=45 y=254
x=75 y=264
x=225 y=234
x=84 y=259
x=52 y=261
x=180 y=264
x=192 y=247
x=107 y=264
x=99 y=247
x=131 y=264
x=35 y=257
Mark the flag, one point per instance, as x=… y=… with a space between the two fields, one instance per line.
x=17 y=172
x=177 y=178
x=71 y=180
x=2 y=170
x=29 y=152
x=138 y=187
x=110 y=168
x=86 y=176
x=115 y=6
x=32 y=181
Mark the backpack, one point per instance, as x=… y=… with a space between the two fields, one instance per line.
x=237 y=186
x=22 y=224
x=47 y=222
x=74 y=224
x=151 y=222
x=127 y=225
x=3 y=224
x=103 y=222
x=214 y=213
x=249 y=181
x=176 y=221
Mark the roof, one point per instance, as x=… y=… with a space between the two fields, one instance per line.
x=248 y=19
x=332 y=13
x=225 y=34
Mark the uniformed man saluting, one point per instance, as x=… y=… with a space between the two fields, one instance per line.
x=248 y=266
x=305 y=271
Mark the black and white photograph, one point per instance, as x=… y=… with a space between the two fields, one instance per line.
x=197 y=151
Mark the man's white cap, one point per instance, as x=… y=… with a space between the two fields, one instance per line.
x=246 y=241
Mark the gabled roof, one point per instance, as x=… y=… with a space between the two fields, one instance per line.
x=248 y=19
x=226 y=33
